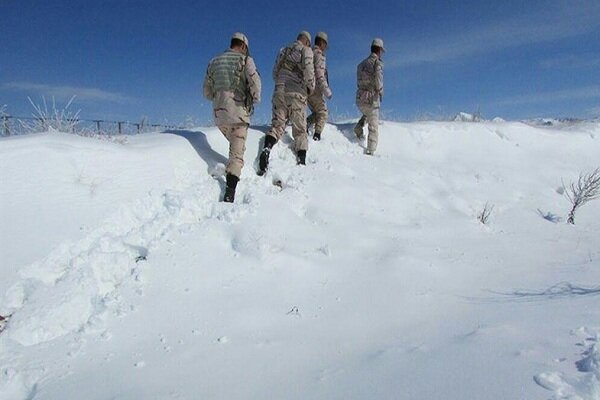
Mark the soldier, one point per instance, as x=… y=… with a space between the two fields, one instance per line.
x=369 y=94
x=316 y=102
x=294 y=77
x=233 y=84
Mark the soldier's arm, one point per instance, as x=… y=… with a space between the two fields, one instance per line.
x=253 y=79
x=379 y=78
x=321 y=74
x=208 y=85
x=308 y=69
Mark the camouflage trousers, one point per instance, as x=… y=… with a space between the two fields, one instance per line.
x=236 y=135
x=319 y=114
x=370 y=117
x=290 y=107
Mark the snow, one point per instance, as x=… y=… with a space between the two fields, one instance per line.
x=59 y=187
x=362 y=277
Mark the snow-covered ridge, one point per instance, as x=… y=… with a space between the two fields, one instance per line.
x=359 y=268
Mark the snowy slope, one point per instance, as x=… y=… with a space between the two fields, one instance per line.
x=58 y=187
x=364 y=277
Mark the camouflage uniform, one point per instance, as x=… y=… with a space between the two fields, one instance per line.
x=368 y=97
x=316 y=102
x=233 y=84
x=294 y=77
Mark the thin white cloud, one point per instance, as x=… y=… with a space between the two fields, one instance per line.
x=572 y=61
x=66 y=92
x=584 y=93
x=559 y=21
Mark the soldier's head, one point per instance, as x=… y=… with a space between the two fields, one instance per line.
x=304 y=38
x=377 y=47
x=321 y=40
x=239 y=42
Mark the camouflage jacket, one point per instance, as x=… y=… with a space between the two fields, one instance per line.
x=233 y=84
x=294 y=70
x=369 y=79
x=321 y=76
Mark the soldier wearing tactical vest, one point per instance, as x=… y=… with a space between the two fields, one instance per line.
x=369 y=94
x=294 y=77
x=316 y=102
x=233 y=84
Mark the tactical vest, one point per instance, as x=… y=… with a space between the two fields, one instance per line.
x=366 y=74
x=291 y=59
x=227 y=72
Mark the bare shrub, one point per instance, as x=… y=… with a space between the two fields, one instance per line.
x=54 y=118
x=485 y=214
x=58 y=119
x=586 y=189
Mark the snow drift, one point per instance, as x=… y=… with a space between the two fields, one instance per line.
x=362 y=277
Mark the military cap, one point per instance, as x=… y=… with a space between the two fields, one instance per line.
x=240 y=36
x=322 y=35
x=306 y=35
x=379 y=43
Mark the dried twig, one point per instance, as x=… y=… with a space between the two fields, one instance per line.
x=484 y=215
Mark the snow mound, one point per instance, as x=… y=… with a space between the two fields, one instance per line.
x=57 y=188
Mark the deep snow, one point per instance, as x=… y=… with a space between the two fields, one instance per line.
x=363 y=277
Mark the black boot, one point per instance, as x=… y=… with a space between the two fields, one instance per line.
x=263 y=161
x=358 y=129
x=301 y=157
x=317 y=136
x=232 y=182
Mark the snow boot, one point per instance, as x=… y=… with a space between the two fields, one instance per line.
x=263 y=160
x=317 y=136
x=301 y=157
x=232 y=182
x=358 y=129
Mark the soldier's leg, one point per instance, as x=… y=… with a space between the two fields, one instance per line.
x=360 y=125
x=236 y=135
x=297 y=107
x=312 y=118
x=321 y=117
x=373 y=121
x=237 y=147
x=280 y=117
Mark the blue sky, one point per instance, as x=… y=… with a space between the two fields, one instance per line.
x=127 y=59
